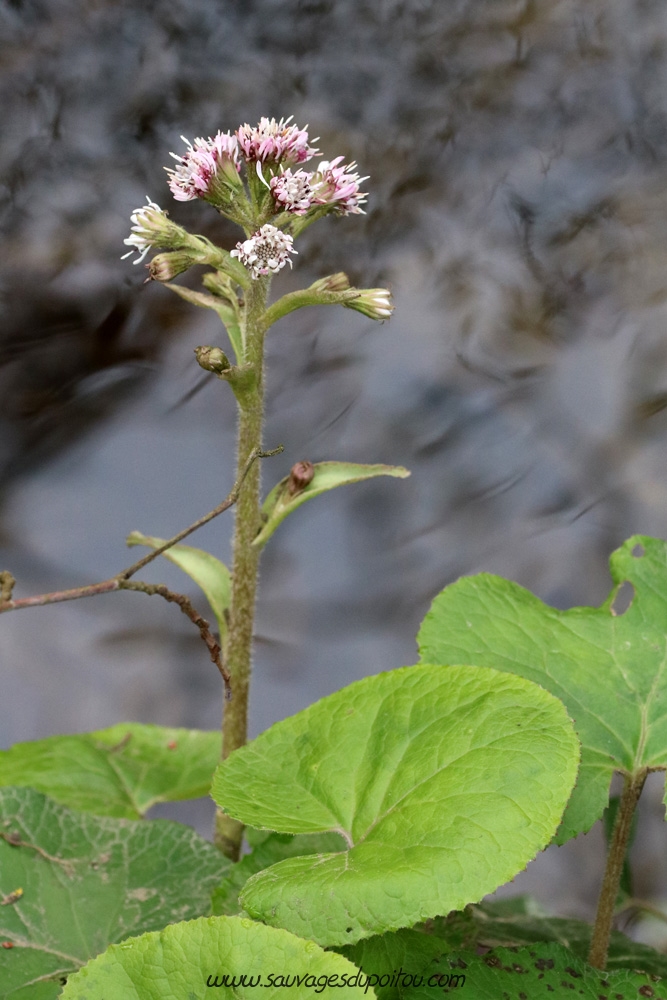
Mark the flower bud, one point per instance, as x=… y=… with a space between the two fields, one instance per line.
x=153 y=228
x=213 y=359
x=332 y=283
x=166 y=266
x=372 y=302
x=300 y=475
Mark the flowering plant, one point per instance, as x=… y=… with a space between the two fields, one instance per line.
x=375 y=812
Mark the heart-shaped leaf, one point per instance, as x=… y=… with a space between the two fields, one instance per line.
x=236 y=957
x=444 y=785
x=541 y=972
x=120 y=771
x=286 y=496
x=208 y=573
x=72 y=883
x=606 y=664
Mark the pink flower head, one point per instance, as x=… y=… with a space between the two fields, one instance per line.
x=266 y=252
x=292 y=192
x=207 y=170
x=274 y=142
x=338 y=187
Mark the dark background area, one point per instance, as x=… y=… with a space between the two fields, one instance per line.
x=517 y=154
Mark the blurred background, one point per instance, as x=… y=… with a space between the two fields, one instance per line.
x=517 y=153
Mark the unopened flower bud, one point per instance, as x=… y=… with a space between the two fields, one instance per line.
x=332 y=283
x=166 y=266
x=372 y=302
x=153 y=228
x=213 y=359
x=300 y=475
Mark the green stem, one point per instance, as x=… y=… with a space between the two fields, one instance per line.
x=228 y=831
x=597 y=955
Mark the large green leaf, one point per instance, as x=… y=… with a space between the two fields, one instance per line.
x=88 y=881
x=326 y=476
x=493 y=924
x=185 y=961
x=607 y=665
x=542 y=972
x=208 y=573
x=513 y=923
x=120 y=771
x=444 y=785
x=383 y=956
x=271 y=848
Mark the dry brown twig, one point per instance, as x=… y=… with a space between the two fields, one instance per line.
x=121 y=581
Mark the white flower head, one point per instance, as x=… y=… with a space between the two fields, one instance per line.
x=148 y=224
x=266 y=251
x=375 y=303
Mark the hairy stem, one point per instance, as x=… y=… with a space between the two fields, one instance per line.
x=597 y=955
x=247 y=522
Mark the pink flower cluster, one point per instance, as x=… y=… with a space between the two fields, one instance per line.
x=202 y=164
x=266 y=252
x=209 y=169
x=273 y=141
x=331 y=184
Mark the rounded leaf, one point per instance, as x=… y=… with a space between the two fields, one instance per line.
x=444 y=785
x=606 y=664
x=236 y=957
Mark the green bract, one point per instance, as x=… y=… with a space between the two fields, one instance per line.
x=120 y=771
x=327 y=476
x=443 y=784
x=88 y=881
x=607 y=665
x=184 y=961
x=206 y=570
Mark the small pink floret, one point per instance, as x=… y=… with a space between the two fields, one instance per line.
x=275 y=142
x=200 y=165
x=292 y=191
x=338 y=186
